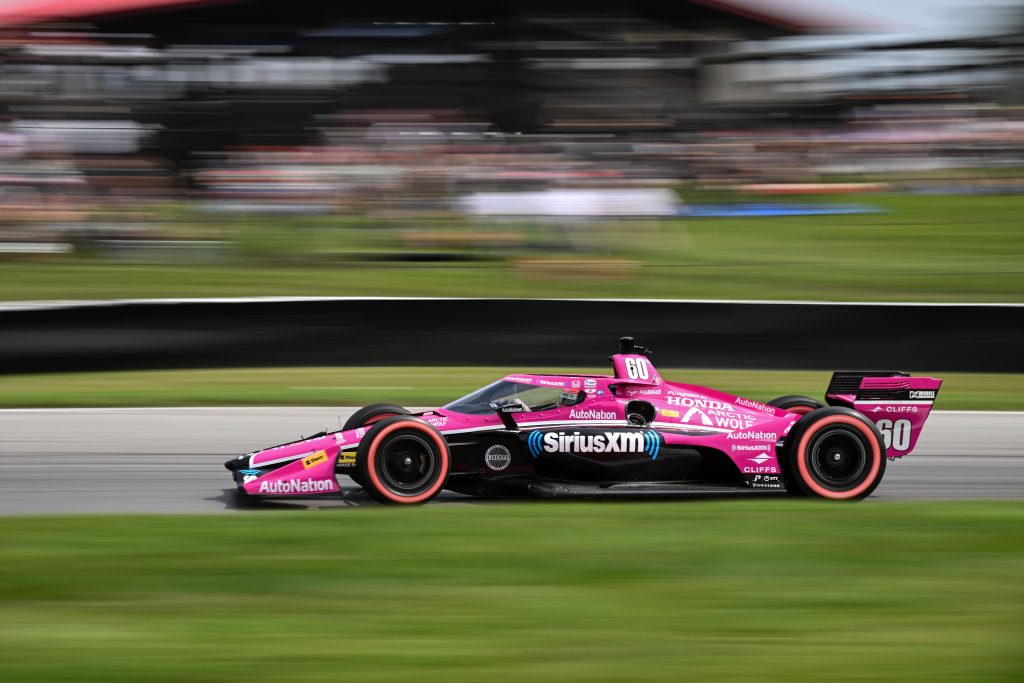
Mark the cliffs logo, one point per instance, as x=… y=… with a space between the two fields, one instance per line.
x=594 y=442
x=591 y=414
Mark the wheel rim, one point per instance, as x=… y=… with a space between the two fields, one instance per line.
x=838 y=458
x=408 y=465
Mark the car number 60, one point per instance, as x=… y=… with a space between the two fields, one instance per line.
x=896 y=434
x=636 y=368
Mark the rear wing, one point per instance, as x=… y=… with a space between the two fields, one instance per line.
x=897 y=403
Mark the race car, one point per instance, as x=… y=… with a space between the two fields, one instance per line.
x=629 y=433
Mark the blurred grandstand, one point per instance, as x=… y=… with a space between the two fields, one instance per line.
x=146 y=129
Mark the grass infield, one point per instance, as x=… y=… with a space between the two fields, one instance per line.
x=740 y=591
x=919 y=248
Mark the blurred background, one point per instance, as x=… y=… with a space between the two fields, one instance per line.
x=694 y=148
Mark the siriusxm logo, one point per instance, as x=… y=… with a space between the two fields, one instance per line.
x=598 y=442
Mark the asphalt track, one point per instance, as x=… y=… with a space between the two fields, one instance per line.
x=170 y=460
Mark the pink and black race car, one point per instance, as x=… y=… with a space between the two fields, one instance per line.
x=629 y=433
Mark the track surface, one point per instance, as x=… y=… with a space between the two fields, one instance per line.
x=170 y=460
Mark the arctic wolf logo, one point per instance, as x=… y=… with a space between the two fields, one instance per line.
x=594 y=442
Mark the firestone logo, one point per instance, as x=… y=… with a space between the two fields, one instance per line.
x=299 y=486
x=591 y=414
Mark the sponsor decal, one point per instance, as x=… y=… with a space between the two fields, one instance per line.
x=596 y=442
x=591 y=414
x=299 y=486
x=755 y=405
x=575 y=384
x=256 y=472
x=766 y=481
x=922 y=394
x=696 y=413
x=753 y=436
x=246 y=478
x=519 y=379
x=710 y=412
x=346 y=459
x=894 y=409
x=690 y=401
x=600 y=392
x=644 y=392
x=339 y=437
x=747 y=447
x=498 y=458
x=361 y=432
x=760 y=459
x=590 y=385
x=437 y=421
x=550 y=383
x=670 y=413
x=316 y=459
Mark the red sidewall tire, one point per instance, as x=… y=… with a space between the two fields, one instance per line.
x=801 y=405
x=372 y=414
x=370 y=452
x=808 y=427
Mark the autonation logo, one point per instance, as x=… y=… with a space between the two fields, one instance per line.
x=602 y=442
x=298 y=486
x=591 y=414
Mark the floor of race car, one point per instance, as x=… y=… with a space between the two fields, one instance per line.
x=167 y=460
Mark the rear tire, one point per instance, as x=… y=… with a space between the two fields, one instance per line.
x=834 y=453
x=403 y=461
x=796 y=404
x=371 y=414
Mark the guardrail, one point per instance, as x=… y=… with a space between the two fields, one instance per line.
x=520 y=333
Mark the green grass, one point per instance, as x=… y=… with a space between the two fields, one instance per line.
x=737 y=591
x=936 y=248
x=418 y=386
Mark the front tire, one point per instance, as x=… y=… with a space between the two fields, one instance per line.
x=403 y=461
x=371 y=414
x=834 y=453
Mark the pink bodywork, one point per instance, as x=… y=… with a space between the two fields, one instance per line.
x=900 y=421
x=747 y=431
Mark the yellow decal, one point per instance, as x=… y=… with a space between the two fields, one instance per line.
x=347 y=457
x=315 y=459
x=670 y=413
